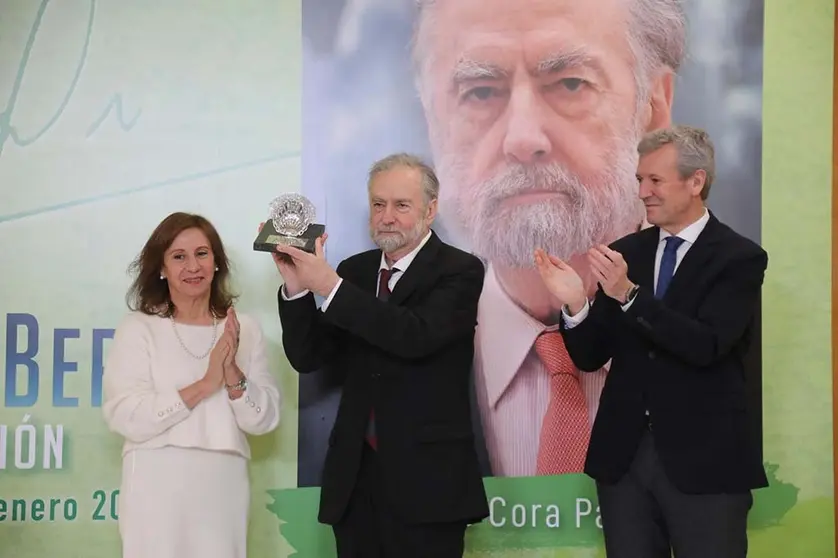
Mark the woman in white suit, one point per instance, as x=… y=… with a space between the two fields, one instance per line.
x=185 y=380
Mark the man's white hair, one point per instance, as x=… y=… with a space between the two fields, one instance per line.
x=657 y=39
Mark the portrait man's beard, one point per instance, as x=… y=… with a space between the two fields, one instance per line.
x=397 y=239
x=507 y=232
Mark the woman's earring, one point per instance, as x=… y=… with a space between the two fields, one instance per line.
x=216 y=268
x=162 y=277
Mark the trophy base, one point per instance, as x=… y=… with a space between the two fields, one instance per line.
x=268 y=239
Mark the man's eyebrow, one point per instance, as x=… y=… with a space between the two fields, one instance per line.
x=397 y=200
x=560 y=61
x=467 y=69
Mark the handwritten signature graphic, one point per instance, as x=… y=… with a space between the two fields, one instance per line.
x=114 y=109
x=7 y=128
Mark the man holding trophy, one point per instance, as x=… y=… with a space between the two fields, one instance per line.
x=401 y=476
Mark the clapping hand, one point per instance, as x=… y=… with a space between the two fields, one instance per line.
x=214 y=375
x=232 y=331
x=611 y=272
x=562 y=281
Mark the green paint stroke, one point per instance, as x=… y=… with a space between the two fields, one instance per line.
x=771 y=504
x=528 y=513
x=296 y=509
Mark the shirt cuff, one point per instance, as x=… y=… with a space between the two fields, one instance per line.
x=169 y=406
x=572 y=321
x=329 y=298
x=285 y=296
x=628 y=304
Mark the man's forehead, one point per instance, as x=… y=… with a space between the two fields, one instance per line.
x=502 y=10
x=397 y=175
x=395 y=188
x=392 y=194
x=461 y=38
x=450 y=22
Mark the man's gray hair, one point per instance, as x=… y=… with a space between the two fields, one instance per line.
x=657 y=38
x=430 y=182
x=694 y=147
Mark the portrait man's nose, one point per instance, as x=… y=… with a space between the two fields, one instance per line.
x=526 y=140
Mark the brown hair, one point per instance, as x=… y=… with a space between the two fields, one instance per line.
x=150 y=294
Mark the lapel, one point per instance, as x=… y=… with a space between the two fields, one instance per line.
x=365 y=275
x=418 y=272
x=695 y=259
x=644 y=272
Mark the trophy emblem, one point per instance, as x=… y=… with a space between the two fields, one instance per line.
x=291 y=223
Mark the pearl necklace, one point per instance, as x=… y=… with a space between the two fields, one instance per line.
x=185 y=348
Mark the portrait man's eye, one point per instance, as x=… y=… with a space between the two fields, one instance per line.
x=572 y=84
x=480 y=93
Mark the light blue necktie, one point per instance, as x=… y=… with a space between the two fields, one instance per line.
x=667 y=268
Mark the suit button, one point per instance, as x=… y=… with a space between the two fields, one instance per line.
x=652 y=355
x=375 y=375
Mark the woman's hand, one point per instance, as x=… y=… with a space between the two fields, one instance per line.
x=214 y=376
x=232 y=333
x=232 y=373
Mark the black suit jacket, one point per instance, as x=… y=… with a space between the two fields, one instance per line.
x=411 y=359
x=683 y=359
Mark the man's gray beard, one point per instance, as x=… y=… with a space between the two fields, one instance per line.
x=391 y=243
x=564 y=225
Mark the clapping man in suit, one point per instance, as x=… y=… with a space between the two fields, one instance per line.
x=401 y=477
x=670 y=448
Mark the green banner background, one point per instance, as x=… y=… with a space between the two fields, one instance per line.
x=78 y=202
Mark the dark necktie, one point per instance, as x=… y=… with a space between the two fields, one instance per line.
x=384 y=283
x=667 y=267
x=383 y=294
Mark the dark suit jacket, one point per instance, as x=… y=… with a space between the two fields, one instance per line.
x=682 y=358
x=410 y=358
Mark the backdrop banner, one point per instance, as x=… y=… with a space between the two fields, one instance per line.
x=115 y=114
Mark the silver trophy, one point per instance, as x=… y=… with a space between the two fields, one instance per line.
x=291 y=223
